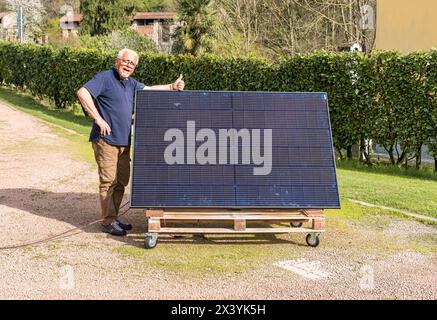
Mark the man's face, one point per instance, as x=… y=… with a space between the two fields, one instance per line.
x=125 y=65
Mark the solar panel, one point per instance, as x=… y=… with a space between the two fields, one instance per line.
x=232 y=150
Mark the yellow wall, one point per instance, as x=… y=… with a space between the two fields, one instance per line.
x=406 y=25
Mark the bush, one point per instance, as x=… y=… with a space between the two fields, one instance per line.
x=118 y=40
x=385 y=96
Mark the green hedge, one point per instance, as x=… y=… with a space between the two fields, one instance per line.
x=385 y=96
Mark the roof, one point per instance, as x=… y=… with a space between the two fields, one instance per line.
x=72 y=18
x=154 y=15
x=137 y=16
x=3 y=14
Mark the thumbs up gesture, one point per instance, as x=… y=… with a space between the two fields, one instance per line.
x=179 y=84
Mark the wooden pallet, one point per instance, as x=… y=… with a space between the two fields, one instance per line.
x=158 y=218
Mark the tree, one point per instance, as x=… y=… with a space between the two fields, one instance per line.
x=197 y=26
x=103 y=17
x=55 y=8
x=155 y=5
x=3 y=6
x=34 y=16
x=288 y=27
x=118 y=40
x=242 y=25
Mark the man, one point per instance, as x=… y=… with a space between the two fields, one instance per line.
x=108 y=99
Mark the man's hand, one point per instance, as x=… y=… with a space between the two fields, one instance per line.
x=179 y=84
x=105 y=129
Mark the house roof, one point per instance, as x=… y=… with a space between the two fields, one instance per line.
x=73 y=18
x=154 y=15
x=137 y=16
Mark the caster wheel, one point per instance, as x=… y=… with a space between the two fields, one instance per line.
x=151 y=240
x=313 y=240
x=296 y=224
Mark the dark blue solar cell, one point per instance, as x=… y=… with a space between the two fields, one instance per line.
x=212 y=150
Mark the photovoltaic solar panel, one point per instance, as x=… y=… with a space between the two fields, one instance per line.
x=302 y=175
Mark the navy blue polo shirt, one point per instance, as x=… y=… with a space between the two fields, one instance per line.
x=114 y=99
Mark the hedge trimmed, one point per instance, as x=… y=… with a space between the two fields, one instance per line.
x=385 y=96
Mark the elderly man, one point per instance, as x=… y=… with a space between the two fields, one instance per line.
x=108 y=99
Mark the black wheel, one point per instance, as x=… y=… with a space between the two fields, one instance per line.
x=150 y=241
x=313 y=240
x=296 y=224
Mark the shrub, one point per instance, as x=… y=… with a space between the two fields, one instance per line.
x=385 y=96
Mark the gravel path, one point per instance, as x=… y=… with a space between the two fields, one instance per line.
x=44 y=191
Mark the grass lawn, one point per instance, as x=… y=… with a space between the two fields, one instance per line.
x=392 y=187
x=64 y=118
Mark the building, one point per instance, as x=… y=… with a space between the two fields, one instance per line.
x=70 y=24
x=8 y=26
x=406 y=25
x=157 y=26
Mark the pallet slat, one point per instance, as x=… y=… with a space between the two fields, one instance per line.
x=315 y=213
x=233 y=217
x=228 y=230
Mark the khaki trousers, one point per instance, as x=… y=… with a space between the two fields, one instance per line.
x=114 y=171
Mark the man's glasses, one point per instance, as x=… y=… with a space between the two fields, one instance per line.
x=128 y=63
